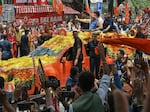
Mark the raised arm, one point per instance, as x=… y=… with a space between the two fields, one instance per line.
x=83 y=20
x=105 y=81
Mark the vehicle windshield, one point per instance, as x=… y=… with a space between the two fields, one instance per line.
x=43 y=51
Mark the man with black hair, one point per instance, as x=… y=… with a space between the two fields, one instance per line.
x=84 y=25
x=6 y=48
x=24 y=45
x=1 y=87
x=120 y=61
x=72 y=79
x=3 y=97
x=77 y=51
x=94 y=58
x=108 y=23
x=89 y=101
x=1 y=82
x=101 y=21
x=139 y=34
x=94 y=22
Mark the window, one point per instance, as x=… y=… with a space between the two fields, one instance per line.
x=8 y=1
x=68 y=1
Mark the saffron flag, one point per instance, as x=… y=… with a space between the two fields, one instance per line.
x=87 y=8
x=127 y=13
x=1 y=8
x=137 y=43
x=54 y=3
x=115 y=6
x=58 y=5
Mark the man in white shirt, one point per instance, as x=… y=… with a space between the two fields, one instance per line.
x=101 y=21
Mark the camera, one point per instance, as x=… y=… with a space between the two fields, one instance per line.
x=52 y=82
x=66 y=97
x=67 y=94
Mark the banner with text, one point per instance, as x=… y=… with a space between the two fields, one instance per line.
x=40 y=18
x=22 y=2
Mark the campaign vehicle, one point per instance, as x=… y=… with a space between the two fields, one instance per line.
x=56 y=58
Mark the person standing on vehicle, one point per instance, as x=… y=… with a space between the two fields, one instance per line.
x=94 y=58
x=108 y=23
x=77 y=51
x=94 y=22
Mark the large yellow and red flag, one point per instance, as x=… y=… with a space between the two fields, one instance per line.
x=137 y=43
x=58 y=5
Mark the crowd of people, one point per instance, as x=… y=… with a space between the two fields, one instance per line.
x=113 y=92
x=123 y=86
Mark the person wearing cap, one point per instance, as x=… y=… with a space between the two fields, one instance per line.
x=77 y=51
x=94 y=58
x=94 y=23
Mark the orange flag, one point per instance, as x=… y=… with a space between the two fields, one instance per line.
x=1 y=8
x=58 y=5
x=115 y=6
x=137 y=43
x=54 y=3
x=87 y=7
x=127 y=13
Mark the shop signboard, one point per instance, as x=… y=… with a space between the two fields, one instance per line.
x=40 y=18
x=22 y=2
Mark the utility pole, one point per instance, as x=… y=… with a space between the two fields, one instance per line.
x=110 y=6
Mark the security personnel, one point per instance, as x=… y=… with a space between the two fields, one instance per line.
x=94 y=58
x=77 y=51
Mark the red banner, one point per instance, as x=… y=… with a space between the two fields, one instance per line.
x=40 y=18
x=22 y=2
x=34 y=9
x=42 y=1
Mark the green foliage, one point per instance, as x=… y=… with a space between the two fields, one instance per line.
x=104 y=8
x=140 y=3
x=10 y=77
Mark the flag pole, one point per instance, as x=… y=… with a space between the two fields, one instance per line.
x=83 y=6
